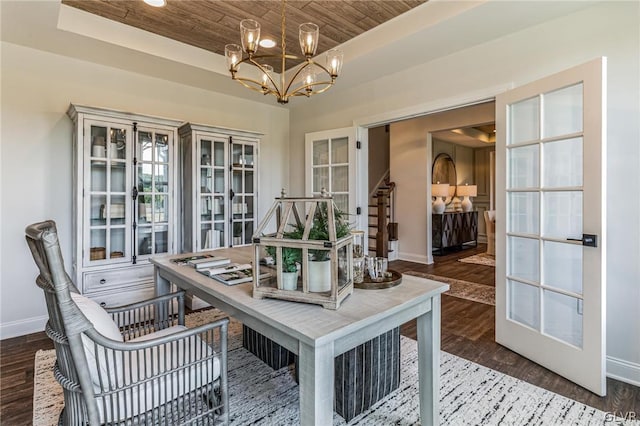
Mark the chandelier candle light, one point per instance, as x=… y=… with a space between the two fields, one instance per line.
x=308 y=78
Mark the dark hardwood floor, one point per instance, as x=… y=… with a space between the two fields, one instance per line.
x=467 y=331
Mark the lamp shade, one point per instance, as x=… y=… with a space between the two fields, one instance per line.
x=440 y=189
x=468 y=190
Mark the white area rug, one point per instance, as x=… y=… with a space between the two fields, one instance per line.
x=480 y=259
x=470 y=394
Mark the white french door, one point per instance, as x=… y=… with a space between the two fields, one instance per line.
x=550 y=242
x=336 y=161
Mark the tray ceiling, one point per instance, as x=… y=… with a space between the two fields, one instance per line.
x=210 y=24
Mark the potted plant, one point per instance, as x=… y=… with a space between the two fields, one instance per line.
x=290 y=259
x=319 y=265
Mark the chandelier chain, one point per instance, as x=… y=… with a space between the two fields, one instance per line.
x=284 y=28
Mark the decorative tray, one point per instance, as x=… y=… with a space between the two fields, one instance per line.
x=368 y=284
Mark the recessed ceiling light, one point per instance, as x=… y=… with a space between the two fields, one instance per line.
x=156 y=3
x=267 y=43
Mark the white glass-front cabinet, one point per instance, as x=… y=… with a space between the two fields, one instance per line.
x=219 y=186
x=124 y=202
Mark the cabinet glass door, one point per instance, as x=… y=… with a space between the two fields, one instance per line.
x=108 y=171
x=212 y=154
x=243 y=191
x=153 y=153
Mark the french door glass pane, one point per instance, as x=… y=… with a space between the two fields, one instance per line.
x=118 y=145
x=205 y=208
x=117 y=243
x=145 y=209
x=524 y=208
x=340 y=179
x=218 y=237
x=320 y=152
x=145 y=240
x=562 y=214
x=161 y=213
x=206 y=236
x=342 y=202
x=563 y=111
x=320 y=178
x=524 y=167
x=237 y=182
x=218 y=187
x=524 y=303
x=145 y=177
x=562 y=266
x=98 y=175
x=117 y=209
x=218 y=208
x=563 y=317
x=161 y=239
x=236 y=155
x=98 y=210
x=118 y=176
x=562 y=163
x=524 y=121
x=205 y=152
x=340 y=150
x=162 y=178
x=248 y=181
x=524 y=258
x=98 y=141
x=218 y=154
x=162 y=148
x=206 y=183
x=248 y=156
x=248 y=231
x=249 y=207
x=98 y=244
x=237 y=234
x=145 y=146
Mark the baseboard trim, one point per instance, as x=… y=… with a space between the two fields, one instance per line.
x=409 y=257
x=625 y=371
x=21 y=327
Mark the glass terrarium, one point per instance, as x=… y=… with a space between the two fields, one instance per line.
x=306 y=247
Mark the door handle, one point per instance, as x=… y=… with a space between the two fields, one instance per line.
x=588 y=240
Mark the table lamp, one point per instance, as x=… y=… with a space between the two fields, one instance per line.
x=467 y=191
x=439 y=190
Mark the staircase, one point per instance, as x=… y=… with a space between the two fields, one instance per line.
x=383 y=238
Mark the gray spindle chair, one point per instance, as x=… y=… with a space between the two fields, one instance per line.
x=148 y=372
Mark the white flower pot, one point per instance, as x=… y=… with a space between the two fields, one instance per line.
x=290 y=280
x=319 y=276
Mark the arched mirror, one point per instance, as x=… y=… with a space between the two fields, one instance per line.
x=444 y=171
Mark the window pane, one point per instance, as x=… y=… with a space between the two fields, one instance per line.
x=248 y=156
x=524 y=121
x=98 y=141
x=218 y=154
x=562 y=214
x=524 y=167
x=523 y=258
x=563 y=317
x=117 y=209
x=320 y=152
x=145 y=209
x=145 y=146
x=524 y=304
x=562 y=266
x=320 y=179
x=205 y=208
x=205 y=152
x=340 y=179
x=218 y=181
x=98 y=175
x=117 y=243
x=98 y=244
x=161 y=238
x=563 y=111
x=562 y=163
x=98 y=212
x=145 y=176
x=161 y=206
x=145 y=240
x=339 y=151
x=162 y=148
x=524 y=212
x=205 y=180
x=342 y=202
x=118 y=177
x=118 y=144
x=162 y=178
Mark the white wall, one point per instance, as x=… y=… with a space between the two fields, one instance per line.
x=609 y=29
x=36 y=152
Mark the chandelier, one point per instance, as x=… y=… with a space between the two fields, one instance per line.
x=306 y=79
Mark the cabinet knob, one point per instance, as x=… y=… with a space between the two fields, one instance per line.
x=103 y=304
x=103 y=281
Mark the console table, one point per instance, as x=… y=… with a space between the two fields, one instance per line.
x=453 y=229
x=317 y=335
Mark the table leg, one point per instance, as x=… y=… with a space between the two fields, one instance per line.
x=316 y=372
x=163 y=286
x=429 y=363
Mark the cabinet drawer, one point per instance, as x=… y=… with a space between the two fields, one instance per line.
x=110 y=300
x=117 y=278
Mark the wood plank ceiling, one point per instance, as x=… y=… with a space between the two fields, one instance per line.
x=210 y=24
